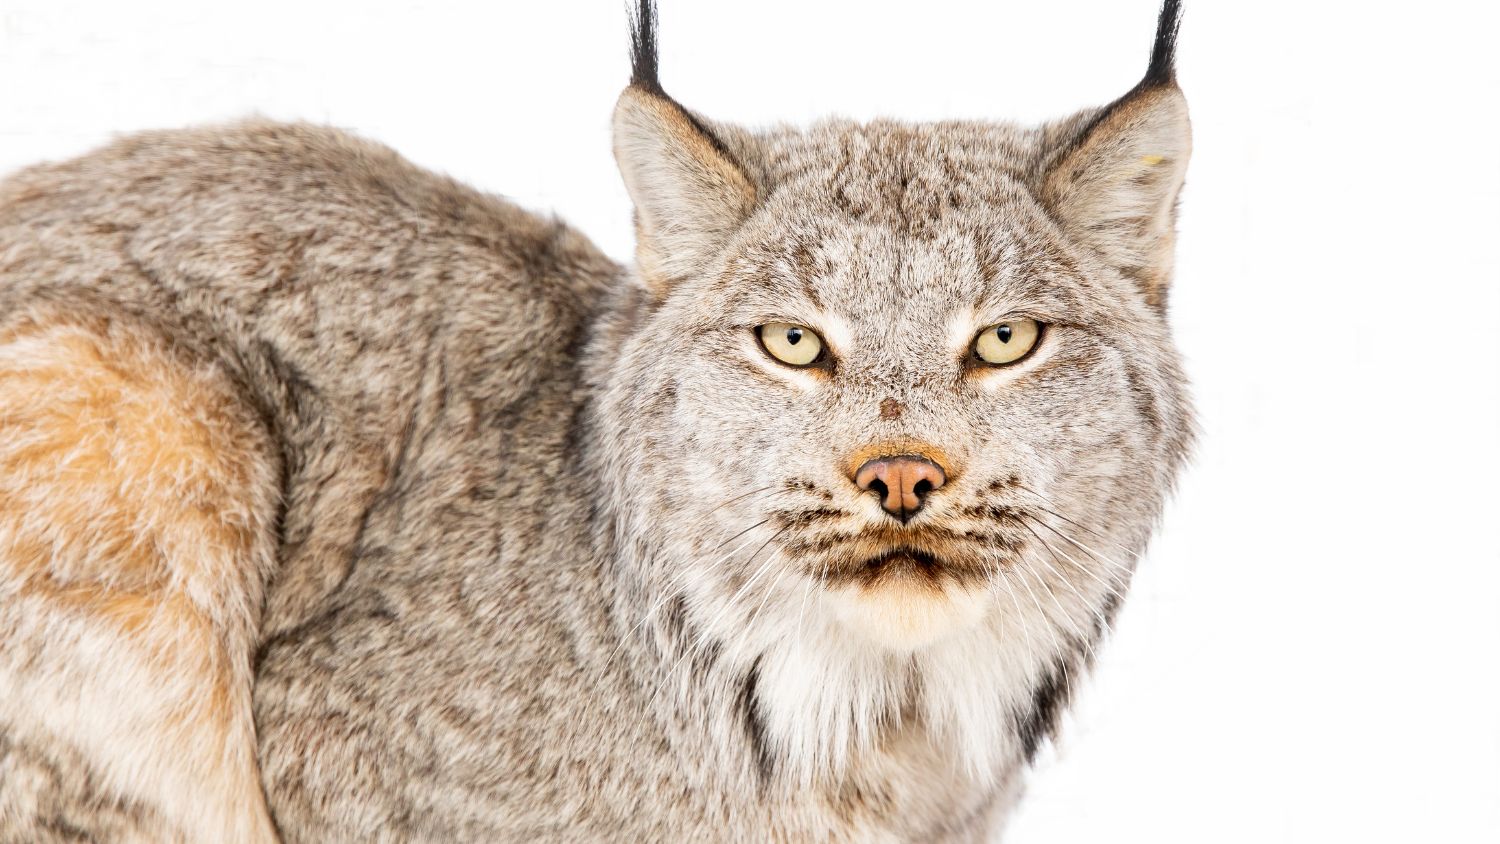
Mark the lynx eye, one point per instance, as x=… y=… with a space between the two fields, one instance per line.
x=1007 y=342
x=794 y=345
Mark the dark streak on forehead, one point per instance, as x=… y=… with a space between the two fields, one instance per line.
x=778 y=275
x=807 y=265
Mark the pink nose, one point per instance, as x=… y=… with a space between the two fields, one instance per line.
x=902 y=482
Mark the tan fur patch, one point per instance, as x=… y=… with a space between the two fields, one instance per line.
x=891 y=448
x=905 y=613
x=135 y=499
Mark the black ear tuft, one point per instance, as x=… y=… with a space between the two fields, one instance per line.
x=643 y=67
x=643 y=72
x=1162 y=70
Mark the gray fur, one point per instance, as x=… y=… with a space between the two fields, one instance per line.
x=523 y=592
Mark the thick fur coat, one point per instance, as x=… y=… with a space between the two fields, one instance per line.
x=340 y=502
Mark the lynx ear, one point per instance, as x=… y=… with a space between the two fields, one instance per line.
x=689 y=192
x=1112 y=176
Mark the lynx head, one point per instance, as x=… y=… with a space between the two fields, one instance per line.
x=897 y=405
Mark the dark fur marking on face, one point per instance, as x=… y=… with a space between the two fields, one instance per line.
x=807 y=267
x=994 y=540
x=804 y=518
x=663 y=401
x=852 y=208
x=1005 y=483
x=760 y=374
x=804 y=485
x=997 y=512
x=1038 y=722
x=891 y=409
x=755 y=728
x=1145 y=400
x=912 y=564
x=675 y=618
x=898 y=538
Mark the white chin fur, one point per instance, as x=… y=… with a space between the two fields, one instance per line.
x=903 y=615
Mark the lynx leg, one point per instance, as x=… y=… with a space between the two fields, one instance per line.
x=137 y=498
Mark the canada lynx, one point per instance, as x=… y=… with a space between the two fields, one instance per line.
x=340 y=502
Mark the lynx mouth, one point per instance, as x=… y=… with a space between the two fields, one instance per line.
x=932 y=559
x=897 y=564
x=903 y=560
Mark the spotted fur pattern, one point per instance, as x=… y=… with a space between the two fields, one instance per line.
x=344 y=503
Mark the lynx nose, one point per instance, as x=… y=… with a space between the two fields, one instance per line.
x=902 y=482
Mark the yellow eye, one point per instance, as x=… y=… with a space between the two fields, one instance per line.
x=1007 y=342
x=794 y=345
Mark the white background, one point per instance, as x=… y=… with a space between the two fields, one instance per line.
x=1312 y=650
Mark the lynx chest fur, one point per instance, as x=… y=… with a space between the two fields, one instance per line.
x=339 y=502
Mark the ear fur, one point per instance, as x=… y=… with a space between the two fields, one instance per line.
x=1113 y=180
x=689 y=192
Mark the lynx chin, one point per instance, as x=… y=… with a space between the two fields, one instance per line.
x=341 y=502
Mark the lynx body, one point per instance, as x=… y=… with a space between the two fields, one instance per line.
x=339 y=502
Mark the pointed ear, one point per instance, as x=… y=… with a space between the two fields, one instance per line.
x=1111 y=177
x=689 y=193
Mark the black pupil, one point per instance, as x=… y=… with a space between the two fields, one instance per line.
x=794 y=336
x=1003 y=332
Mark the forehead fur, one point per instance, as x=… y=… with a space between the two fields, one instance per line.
x=937 y=217
x=904 y=176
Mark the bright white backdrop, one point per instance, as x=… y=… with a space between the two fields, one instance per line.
x=1312 y=652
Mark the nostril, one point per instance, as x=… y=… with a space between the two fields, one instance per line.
x=901 y=483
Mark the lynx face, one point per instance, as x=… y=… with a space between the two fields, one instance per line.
x=895 y=249
x=903 y=402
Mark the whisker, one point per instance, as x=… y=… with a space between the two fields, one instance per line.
x=806 y=593
x=1051 y=632
x=741 y=533
x=700 y=521
x=750 y=623
x=1025 y=629
x=724 y=504
x=695 y=645
x=669 y=586
x=1083 y=527
x=1103 y=624
x=635 y=628
x=746 y=585
x=671 y=591
x=1081 y=567
x=1126 y=570
x=1083 y=638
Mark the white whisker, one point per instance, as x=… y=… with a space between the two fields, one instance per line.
x=1127 y=571
x=1054 y=512
x=1103 y=624
x=1025 y=630
x=1087 y=570
x=697 y=642
x=1051 y=631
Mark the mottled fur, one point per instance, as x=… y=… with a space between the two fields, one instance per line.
x=521 y=545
